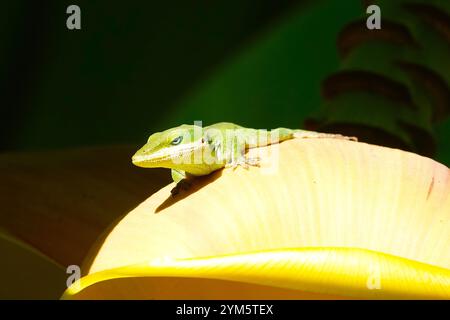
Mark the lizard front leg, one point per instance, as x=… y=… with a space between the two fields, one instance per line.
x=180 y=178
x=178 y=175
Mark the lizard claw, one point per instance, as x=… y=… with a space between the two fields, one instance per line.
x=183 y=185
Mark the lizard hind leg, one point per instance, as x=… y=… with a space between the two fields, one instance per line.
x=238 y=157
x=253 y=161
x=244 y=162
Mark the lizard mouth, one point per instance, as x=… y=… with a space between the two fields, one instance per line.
x=166 y=155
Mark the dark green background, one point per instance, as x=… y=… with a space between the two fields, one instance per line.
x=141 y=66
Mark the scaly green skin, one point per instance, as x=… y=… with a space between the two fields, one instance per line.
x=191 y=150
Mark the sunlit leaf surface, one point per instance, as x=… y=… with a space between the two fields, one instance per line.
x=332 y=219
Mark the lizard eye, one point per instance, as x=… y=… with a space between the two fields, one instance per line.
x=177 y=140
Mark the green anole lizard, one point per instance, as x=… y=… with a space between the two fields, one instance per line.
x=191 y=150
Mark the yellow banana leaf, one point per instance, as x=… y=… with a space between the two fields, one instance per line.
x=321 y=218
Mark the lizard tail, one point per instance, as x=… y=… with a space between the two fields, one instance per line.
x=304 y=134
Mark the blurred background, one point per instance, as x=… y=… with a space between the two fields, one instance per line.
x=134 y=69
x=76 y=104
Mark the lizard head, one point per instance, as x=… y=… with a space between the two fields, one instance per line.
x=164 y=148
